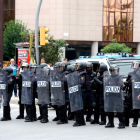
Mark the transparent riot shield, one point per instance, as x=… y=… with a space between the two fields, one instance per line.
x=113 y=95
x=136 y=90
x=27 y=87
x=42 y=86
x=3 y=88
x=57 y=88
x=75 y=94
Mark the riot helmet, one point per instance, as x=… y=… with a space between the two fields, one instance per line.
x=46 y=70
x=89 y=67
x=56 y=66
x=62 y=66
x=102 y=67
x=135 y=65
x=42 y=65
x=25 y=66
x=80 y=66
x=70 y=68
x=33 y=67
x=114 y=69
x=8 y=70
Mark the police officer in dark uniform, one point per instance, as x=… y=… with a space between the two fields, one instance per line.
x=19 y=82
x=128 y=105
x=10 y=81
x=62 y=110
x=88 y=97
x=79 y=115
x=44 y=95
x=115 y=80
x=97 y=85
x=56 y=67
x=42 y=65
x=70 y=69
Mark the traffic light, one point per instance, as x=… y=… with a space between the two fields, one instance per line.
x=43 y=35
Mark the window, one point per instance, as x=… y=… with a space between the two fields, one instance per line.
x=9 y=10
x=118 y=20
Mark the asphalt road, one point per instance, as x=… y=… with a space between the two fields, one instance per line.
x=20 y=130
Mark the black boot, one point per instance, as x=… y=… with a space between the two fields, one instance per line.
x=121 y=120
x=8 y=113
x=121 y=125
x=4 y=118
x=62 y=115
x=110 y=125
x=29 y=113
x=20 y=117
x=136 y=116
x=44 y=110
x=40 y=117
x=96 y=116
x=57 y=115
x=111 y=120
x=134 y=124
x=103 y=116
x=89 y=113
x=79 y=118
x=21 y=111
x=94 y=122
x=102 y=123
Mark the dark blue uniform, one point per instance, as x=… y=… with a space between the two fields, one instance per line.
x=10 y=82
x=88 y=97
x=62 y=110
x=128 y=106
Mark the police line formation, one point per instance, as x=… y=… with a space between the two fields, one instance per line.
x=73 y=89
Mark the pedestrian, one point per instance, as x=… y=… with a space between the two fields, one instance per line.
x=15 y=72
x=8 y=79
x=43 y=60
x=5 y=66
x=65 y=60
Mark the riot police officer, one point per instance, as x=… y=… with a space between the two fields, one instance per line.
x=128 y=105
x=70 y=69
x=88 y=97
x=97 y=85
x=10 y=78
x=19 y=82
x=62 y=110
x=43 y=79
x=42 y=65
x=113 y=96
x=79 y=114
x=56 y=68
x=27 y=91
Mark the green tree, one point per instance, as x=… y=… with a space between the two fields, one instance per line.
x=115 y=47
x=14 y=31
x=52 y=52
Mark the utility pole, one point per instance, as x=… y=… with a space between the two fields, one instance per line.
x=1 y=32
x=36 y=30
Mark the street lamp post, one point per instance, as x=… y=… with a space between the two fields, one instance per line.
x=36 y=30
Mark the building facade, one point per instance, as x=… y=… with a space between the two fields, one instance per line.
x=86 y=25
